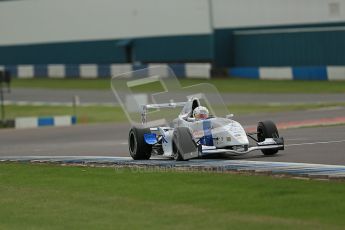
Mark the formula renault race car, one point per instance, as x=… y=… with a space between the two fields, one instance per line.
x=190 y=138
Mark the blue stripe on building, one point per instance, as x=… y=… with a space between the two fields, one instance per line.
x=45 y=121
x=40 y=70
x=103 y=71
x=309 y=73
x=13 y=69
x=74 y=120
x=72 y=71
x=179 y=70
x=245 y=72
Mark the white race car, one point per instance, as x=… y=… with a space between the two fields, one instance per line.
x=189 y=138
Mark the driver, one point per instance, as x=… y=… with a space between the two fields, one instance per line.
x=200 y=113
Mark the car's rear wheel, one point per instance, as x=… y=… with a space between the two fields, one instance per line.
x=267 y=129
x=138 y=148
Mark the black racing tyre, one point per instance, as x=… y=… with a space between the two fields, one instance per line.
x=176 y=153
x=267 y=129
x=182 y=142
x=138 y=148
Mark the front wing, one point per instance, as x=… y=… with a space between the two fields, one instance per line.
x=269 y=143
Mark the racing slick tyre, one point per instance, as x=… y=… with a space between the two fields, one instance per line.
x=138 y=148
x=267 y=129
x=183 y=144
x=176 y=153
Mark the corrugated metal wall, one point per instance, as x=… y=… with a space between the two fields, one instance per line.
x=296 y=47
x=299 y=45
x=233 y=33
x=190 y=48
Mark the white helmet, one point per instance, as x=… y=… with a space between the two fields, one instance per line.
x=200 y=113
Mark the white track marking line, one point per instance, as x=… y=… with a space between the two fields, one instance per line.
x=296 y=139
x=315 y=143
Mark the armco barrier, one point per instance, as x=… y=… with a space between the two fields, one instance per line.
x=35 y=122
x=290 y=73
x=188 y=70
x=90 y=71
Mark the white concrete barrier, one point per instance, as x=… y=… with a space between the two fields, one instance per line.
x=162 y=71
x=336 y=73
x=198 y=70
x=275 y=73
x=133 y=102
x=56 y=71
x=26 y=71
x=26 y=122
x=118 y=69
x=35 y=122
x=62 y=121
x=88 y=71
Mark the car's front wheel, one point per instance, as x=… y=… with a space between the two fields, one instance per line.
x=267 y=129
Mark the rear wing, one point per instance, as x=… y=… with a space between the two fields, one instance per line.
x=170 y=105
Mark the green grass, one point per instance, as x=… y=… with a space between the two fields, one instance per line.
x=231 y=85
x=96 y=114
x=90 y=114
x=242 y=109
x=62 y=83
x=234 y=85
x=55 y=197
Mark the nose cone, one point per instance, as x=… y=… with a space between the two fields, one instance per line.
x=238 y=134
x=239 y=139
x=230 y=134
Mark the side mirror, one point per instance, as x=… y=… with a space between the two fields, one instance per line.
x=229 y=116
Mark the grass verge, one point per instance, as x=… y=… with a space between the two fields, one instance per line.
x=228 y=85
x=95 y=114
x=55 y=197
x=89 y=114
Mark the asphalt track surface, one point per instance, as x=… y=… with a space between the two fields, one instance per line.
x=106 y=96
x=321 y=145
